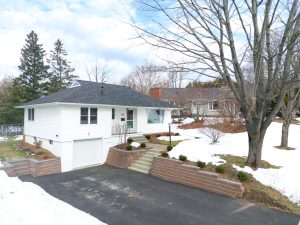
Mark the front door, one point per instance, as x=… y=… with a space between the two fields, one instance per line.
x=130 y=122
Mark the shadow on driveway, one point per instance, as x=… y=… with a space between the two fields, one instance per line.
x=123 y=197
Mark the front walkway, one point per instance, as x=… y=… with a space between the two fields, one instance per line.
x=157 y=147
x=124 y=197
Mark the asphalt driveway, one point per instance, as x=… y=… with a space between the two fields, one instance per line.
x=123 y=197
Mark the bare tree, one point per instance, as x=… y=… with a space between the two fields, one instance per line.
x=213 y=37
x=145 y=77
x=291 y=101
x=213 y=134
x=176 y=78
x=98 y=71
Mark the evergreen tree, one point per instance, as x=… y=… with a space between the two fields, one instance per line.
x=34 y=72
x=61 y=73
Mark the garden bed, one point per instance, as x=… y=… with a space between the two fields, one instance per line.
x=34 y=152
x=254 y=191
x=184 y=173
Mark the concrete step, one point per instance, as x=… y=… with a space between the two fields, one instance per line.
x=141 y=166
x=139 y=139
x=153 y=152
x=146 y=171
x=145 y=160
x=142 y=163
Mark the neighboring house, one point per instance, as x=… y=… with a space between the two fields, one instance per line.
x=201 y=101
x=81 y=123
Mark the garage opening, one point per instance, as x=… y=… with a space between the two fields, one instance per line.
x=87 y=153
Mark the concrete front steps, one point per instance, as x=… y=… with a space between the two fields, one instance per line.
x=139 y=139
x=144 y=163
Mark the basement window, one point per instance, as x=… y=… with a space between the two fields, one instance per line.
x=51 y=142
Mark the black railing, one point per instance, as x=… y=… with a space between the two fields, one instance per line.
x=11 y=129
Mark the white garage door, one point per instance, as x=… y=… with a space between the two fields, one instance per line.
x=87 y=153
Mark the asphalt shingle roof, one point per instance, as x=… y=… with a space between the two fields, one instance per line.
x=93 y=93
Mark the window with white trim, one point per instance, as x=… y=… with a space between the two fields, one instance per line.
x=84 y=115
x=213 y=106
x=31 y=114
x=93 y=115
x=156 y=115
x=88 y=115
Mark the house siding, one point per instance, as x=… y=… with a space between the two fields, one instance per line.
x=73 y=130
x=46 y=124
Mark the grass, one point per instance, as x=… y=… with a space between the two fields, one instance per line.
x=241 y=161
x=282 y=148
x=173 y=143
x=8 y=151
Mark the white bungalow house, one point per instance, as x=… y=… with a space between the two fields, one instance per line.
x=81 y=123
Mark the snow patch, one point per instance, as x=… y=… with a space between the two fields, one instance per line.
x=135 y=144
x=284 y=179
x=175 y=138
x=24 y=203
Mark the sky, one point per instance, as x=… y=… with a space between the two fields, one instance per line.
x=89 y=29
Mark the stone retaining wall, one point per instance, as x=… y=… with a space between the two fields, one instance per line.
x=175 y=171
x=122 y=158
x=33 y=167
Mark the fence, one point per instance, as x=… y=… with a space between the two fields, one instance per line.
x=11 y=129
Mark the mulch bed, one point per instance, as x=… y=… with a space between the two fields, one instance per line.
x=34 y=152
x=226 y=127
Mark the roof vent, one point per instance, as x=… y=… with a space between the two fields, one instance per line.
x=74 y=84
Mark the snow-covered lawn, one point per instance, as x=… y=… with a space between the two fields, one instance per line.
x=286 y=179
x=175 y=138
x=24 y=203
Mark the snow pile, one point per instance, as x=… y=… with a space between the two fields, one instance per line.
x=19 y=137
x=135 y=144
x=188 y=120
x=24 y=203
x=3 y=138
x=284 y=179
x=175 y=138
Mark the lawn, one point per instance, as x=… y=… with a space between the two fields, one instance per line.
x=8 y=151
x=163 y=142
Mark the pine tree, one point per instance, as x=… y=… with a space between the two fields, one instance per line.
x=34 y=72
x=61 y=73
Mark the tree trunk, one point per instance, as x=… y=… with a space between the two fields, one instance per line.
x=255 y=149
x=285 y=133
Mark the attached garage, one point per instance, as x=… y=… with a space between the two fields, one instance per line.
x=87 y=153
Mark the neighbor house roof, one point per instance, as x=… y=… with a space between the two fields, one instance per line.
x=192 y=93
x=86 y=92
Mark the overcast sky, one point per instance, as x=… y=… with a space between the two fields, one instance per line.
x=89 y=29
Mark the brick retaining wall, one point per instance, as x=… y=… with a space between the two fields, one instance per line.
x=33 y=167
x=122 y=158
x=175 y=171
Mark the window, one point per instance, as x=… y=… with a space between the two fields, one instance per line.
x=93 y=115
x=213 y=106
x=31 y=114
x=84 y=115
x=51 y=142
x=88 y=115
x=113 y=113
x=155 y=116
